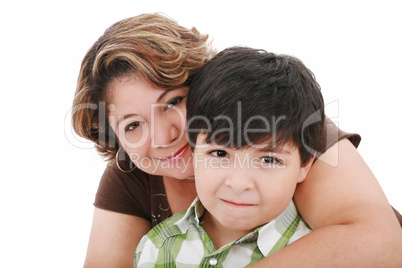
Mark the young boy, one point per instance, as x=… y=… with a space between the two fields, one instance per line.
x=253 y=119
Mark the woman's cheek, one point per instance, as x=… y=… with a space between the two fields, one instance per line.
x=136 y=139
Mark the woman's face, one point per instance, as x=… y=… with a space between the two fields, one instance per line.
x=150 y=124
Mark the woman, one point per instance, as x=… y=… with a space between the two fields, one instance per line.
x=130 y=101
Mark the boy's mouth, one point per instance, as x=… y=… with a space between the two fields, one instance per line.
x=236 y=204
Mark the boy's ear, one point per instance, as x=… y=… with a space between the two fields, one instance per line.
x=305 y=169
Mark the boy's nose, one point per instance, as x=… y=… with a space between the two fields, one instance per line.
x=241 y=179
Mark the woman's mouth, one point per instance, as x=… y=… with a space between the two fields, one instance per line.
x=177 y=155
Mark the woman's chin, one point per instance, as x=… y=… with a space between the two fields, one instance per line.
x=177 y=173
x=180 y=174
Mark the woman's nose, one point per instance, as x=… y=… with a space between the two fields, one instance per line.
x=164 y=133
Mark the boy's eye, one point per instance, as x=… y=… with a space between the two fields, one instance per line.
x=173 y=102
x=133 y=126
x=270 y=160
x=219 y=153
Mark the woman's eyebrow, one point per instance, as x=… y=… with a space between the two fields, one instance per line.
x=163 y=94
x=122 y=118
x=167 y=91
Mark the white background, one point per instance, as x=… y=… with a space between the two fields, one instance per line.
x=48 y=181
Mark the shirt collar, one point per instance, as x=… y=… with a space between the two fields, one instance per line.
x=277 y=232
x=269 y=236
x=193 y=216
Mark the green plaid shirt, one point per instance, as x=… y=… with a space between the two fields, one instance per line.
x=180 y=241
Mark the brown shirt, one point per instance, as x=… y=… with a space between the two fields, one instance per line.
x=140 y=194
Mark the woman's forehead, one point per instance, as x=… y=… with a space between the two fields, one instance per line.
x=133 y=88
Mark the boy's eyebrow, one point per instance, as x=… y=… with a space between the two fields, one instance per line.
x=277 y=150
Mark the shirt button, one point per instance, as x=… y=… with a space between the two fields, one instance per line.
x=213 y=261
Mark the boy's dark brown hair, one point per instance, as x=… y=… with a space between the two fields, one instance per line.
x=245 y=97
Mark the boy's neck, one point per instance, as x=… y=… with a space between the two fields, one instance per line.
x=221 y=235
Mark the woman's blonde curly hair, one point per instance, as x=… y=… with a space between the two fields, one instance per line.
x=152 y=46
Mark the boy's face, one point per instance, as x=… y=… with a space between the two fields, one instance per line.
x=245 y=188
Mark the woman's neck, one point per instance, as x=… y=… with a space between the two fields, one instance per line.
x=180 y=193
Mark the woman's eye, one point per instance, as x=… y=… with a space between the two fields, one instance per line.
x=173 y=102
x=219 y=153
x=133 y=126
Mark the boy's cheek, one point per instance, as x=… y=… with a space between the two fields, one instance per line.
x=198 y=161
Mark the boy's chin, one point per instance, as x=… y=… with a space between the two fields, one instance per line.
x=240 y=225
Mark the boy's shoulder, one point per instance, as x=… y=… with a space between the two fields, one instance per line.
x=176 y=227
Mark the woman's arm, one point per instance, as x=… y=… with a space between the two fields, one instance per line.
x=353 y=223
x=114 y=237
